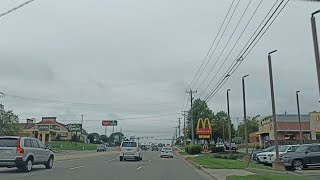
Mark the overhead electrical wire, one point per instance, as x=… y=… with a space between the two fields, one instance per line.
x=245 y=54
x=219 y=43
x=234 y=44
x=205 y=59
x=239 y=58
x=15 y=8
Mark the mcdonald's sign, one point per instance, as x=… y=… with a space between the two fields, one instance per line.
x=203 y=129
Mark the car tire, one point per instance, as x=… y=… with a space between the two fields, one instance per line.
x=28 y=166
x=171 y=156
x=160 y=156
x=49 y=164
x=138 y=159
x=121 y=158
x=297 y=165
x=141 y=159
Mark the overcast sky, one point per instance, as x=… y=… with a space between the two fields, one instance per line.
x=138 y=57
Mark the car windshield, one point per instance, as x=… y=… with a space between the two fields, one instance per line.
x=282 y=148
x=269 y=149
x=8 y=142
x=129 y=144
x=302 y=149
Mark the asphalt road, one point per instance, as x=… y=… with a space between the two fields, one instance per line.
x=109 y=167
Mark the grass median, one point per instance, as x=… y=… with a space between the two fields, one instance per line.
x=67 y=145
x=267 y=177
x=208 y=161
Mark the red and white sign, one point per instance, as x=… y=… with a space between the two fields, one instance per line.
x=105 y=123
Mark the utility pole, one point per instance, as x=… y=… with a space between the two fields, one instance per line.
x=191 y=112
x=299 y=117
x=184 y=128
x=223 y=130
x=81 y=126
x=238 y=127
x=229 y=121
x=277 y=164
x=246 y=157
x=179 y=120
x=316 y=45
x=176 y=134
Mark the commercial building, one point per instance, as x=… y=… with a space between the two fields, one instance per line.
x=48 y=129
x=288 y=128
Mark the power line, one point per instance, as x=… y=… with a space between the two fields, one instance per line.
x=234 y=44
x=15 y=8
x=205 y=59
x=219 y=42
x=129 y=118
x=74 y=103
x=236 y=65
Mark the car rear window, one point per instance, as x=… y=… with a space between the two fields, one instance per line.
x=167 y=149
x=129 y=144
x=8 y=142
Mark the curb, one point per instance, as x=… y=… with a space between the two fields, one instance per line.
x=195 y=165
x=61 y=158
x=265 y=171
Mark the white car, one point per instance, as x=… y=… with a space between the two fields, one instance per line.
x=166 y=152
x=130 y=150
x=269 y=157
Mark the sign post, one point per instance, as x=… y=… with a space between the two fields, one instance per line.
x=110 y=123
x=203 y=131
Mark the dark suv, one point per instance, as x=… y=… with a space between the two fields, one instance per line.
x=155 y=148
x=305 y=156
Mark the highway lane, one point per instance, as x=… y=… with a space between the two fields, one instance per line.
x=109 y=167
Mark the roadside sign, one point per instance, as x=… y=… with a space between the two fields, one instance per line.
x=110 y=123
x=204 y=136
x=74 y=127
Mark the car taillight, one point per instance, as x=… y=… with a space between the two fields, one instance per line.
x=119 y=148
x=19 y=148
x=137 y=149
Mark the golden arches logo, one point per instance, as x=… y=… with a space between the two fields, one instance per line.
x=203 y=130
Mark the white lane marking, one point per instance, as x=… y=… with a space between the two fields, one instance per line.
x=110 y=160
x=139 y=168
x=76 y=167
x=150 y=160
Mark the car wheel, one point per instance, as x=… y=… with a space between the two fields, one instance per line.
x=49 y=164
x=121 y=158
x=297 y=165
x=138 y=158
x=160 y=156
x=28 y=166
x=171 y=156
x=141 y=159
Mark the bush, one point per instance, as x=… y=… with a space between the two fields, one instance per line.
x=217 y=156
x=258 y=147
x=224 y=157
x=219 y=149
x=193 y=149
x=234 y=157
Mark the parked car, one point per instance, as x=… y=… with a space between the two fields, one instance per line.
x=101 y=148
x=233 y=146
x=166 y=152
x=154 y=148
x=306 y=155
x=148 y=146
x=269 y=157
x=254 y=155
x=130 y=150
x=24 y=152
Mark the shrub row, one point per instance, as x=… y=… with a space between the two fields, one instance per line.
x=193 y=149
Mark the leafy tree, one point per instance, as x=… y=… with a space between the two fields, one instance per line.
x=9 y=123
x=111 y=137
x=74 y=138
x=91 y=138
x=104 y=138
x=252 y=126
x=200 y=110
x=220 y=127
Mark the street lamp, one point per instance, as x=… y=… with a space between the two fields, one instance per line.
x=299 y=117
x=229 y=121
x=277 y=164
x=245 y=118
x=315 y=44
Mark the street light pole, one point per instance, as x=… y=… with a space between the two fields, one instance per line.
x=316 y=45
x=277 y=164
x=245 y=117
x=229 y=121
x=299 y=117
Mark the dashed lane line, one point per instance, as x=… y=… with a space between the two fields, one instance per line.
x=78 y=167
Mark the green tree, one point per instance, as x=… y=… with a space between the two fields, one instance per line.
x=9 y=123
x=104 y=138
x=200 y=110
x=220 y=127
x=252 y=126
x=112 y=136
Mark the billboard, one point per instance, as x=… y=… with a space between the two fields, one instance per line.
x=74 y=127
x=110 y=123
x=204 y=131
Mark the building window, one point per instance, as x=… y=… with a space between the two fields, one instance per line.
x=290 y=137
